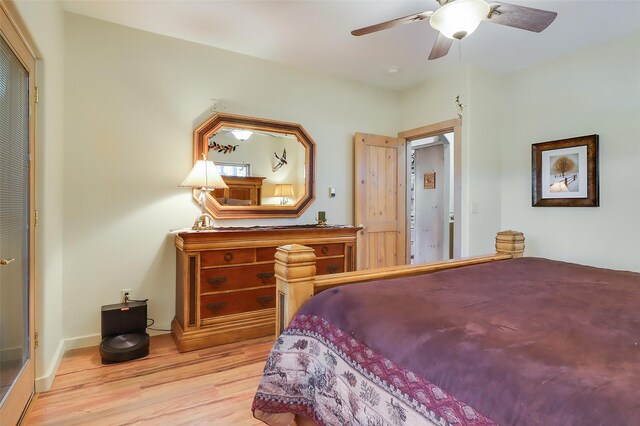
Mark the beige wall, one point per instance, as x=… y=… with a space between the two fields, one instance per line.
x=132 y=100
x=45 y=24
x=593 y=91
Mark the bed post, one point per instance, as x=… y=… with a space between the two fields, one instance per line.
x=295 y=271
x=510 y=242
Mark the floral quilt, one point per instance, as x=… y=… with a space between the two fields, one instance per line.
x=322 y=373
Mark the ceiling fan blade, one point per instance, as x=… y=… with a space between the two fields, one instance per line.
x=525 y=18
x=440 y=47
x=392 y=23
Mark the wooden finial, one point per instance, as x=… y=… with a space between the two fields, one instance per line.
x=295 y=271
x=510 y=242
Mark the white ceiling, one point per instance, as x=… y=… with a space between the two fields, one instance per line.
x=315 y=34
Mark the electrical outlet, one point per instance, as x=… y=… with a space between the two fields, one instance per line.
x=126 y=292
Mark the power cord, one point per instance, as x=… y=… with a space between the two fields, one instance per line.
x=127 y=300
x=153 y=322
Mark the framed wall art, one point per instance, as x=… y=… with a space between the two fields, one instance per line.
x=564 y=173
x=430 y=180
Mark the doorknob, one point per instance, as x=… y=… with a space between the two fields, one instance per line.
x=6 y=262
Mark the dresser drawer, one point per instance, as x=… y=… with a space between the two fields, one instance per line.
x=234 y=278
x=265 y=254
x=329 y=266
x=216 y=305
x=328 y=249
x=227 y=257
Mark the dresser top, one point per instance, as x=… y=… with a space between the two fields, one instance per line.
x=283 y=234
x=263 y=228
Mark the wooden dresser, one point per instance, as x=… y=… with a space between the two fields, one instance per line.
x=225 y=284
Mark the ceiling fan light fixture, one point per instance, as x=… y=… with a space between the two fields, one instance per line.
x=459 y=18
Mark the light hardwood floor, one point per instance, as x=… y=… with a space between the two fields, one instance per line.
x=212 y=386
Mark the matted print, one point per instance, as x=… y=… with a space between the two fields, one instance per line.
x=565 y=173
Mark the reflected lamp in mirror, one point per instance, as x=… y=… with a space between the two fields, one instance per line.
x=284 y=190
x=204 y=177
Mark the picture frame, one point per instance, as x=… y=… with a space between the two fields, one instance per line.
x=564 y=173
x=430 y=180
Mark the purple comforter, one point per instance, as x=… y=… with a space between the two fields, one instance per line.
x=522 y=342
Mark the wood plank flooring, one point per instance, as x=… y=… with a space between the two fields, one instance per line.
x=212 y=386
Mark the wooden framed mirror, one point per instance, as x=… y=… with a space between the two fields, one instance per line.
x=268 y=165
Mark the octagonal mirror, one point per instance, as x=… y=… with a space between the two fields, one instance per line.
x=268 y=166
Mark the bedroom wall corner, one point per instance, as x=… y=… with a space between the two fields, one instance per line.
x=595 y=90
x=484 y=160
x=45 y=27
x=433 y=102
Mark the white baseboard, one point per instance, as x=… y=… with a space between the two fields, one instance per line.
x=45 y=382
x=81 y=342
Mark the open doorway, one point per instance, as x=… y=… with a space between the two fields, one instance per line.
x=433 y=192
x=431 y=196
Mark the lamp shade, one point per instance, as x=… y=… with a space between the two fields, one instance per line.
x=284 y=190
x=204 y=175
x=460 y=18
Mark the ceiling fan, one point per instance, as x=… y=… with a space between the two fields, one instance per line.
x=456 y=19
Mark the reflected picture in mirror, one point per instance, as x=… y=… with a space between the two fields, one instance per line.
x=268 y=166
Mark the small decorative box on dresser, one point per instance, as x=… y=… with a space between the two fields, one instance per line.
x=225 y=284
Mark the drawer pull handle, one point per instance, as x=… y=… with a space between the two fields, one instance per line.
x=325 y=250
x=216 y=282
x=228 y=256
x=332 y=269
x=265 y=276
x=216 y=307
x=264 y=300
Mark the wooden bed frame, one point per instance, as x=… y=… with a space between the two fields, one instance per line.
x=296 y=280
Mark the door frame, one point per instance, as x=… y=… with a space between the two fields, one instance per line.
x=449 y=126
x=23 y=389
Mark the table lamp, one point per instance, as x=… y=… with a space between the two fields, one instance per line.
x=205 y=177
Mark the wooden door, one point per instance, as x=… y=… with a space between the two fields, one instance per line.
x=17 y=172
x=380 y=194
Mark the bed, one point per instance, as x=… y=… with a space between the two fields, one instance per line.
x=500 y=339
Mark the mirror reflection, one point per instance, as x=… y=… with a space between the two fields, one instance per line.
x=268 y=166
x=260 y=167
